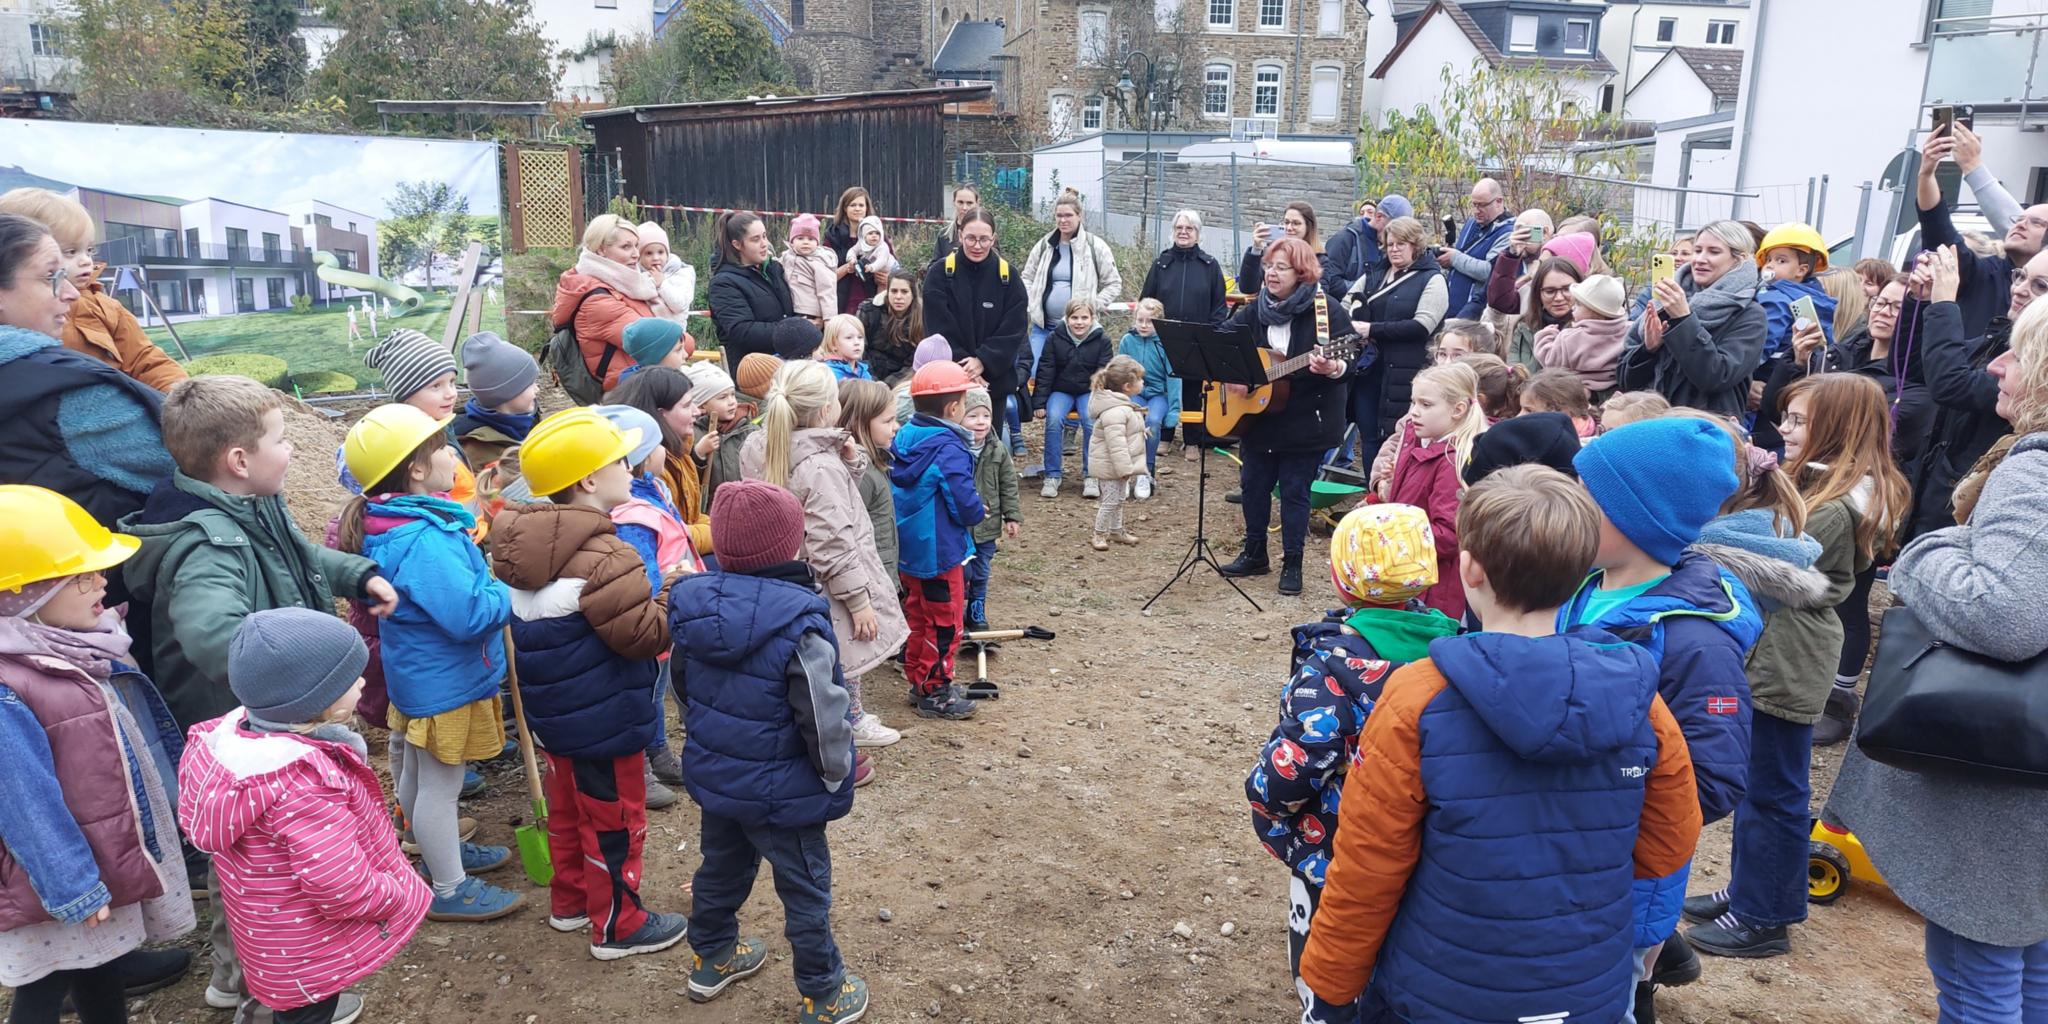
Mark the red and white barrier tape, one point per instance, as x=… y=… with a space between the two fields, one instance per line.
x=1114 y=307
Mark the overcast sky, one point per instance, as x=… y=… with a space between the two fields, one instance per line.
x=253 y=168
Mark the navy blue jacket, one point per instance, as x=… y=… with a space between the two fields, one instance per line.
x=764 y=701
x=1481 y=242
x=1346 y=255
x=932 y=480
x=1986 y=289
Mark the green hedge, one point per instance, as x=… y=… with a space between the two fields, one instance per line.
x=267 y=370
x=323 y=382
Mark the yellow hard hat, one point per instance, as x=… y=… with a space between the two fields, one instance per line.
x=45 y=536
x=1797 y=236
x=1383 y=554
x=384 y=438
x=571 y=445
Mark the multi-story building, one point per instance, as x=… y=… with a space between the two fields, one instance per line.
x=1559 y=35
x=350 y=236
x=31 y=45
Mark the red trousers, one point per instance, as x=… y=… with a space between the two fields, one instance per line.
x=933 y=607
x=597 y=823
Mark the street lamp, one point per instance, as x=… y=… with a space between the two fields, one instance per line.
x=1146 y=101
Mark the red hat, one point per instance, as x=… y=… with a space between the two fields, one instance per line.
x=755 y=524
x=941 y=378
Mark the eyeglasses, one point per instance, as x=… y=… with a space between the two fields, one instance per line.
x=57 y=279
x=2033 y=222
x=2034 y=286
x=1480 y=204
x=1552 y=293
x=1886 y=305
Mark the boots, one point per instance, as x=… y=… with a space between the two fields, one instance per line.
x=1839 y=720
x=1646 y=1002
x=1251 y=561
x=1290 y=574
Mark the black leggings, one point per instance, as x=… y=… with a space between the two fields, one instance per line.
x=95 y=991
x=1854 y=612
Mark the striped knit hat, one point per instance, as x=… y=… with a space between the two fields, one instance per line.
x=409 y=361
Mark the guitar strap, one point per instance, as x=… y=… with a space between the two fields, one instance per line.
x=1322 y=319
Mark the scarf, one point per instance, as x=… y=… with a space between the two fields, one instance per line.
x=1274 y=312
x=94 y=651
x=622 y=279
x=512 y=425
x=331 y=732
x=1713 y=306
x=1971 y=487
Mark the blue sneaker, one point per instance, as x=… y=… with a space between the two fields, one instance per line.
x=475 y=900
x=848 y=1004
x=477 y=858
x=472 y=783
x=658 y=932
x=709 y=978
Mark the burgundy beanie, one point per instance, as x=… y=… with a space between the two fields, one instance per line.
x=755 y=524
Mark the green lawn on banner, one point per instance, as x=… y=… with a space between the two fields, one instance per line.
x=317 y=340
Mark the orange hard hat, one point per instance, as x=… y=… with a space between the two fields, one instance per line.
x=940 y=378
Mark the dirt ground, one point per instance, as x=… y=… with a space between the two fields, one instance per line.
x=1033 y=864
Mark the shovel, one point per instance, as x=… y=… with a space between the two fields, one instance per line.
x=983 y=688
x=533 y=838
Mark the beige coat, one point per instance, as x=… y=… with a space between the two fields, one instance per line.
x=813 y=282
x=1117 y=450
x=839 y=541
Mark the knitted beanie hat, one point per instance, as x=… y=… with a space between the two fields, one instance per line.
x=804 y=226
x=977 y=398
x=931 y=350
x=409 y=361
x=650 y=339
x=627 y=418
x=1577 y=247
x=796 y=338
x=287 y=665
x=1547 y=438
x=755 y=373
x=1660 y=481
x=1395 y=205
x=755 y=524
x=652 y=234
x=707 y=381
x=498 y=372
x=1382 y=554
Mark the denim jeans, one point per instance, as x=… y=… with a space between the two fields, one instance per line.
x=803 y=881
x=1155 y=425
x=1976 y=983
x=1291 y=472
x=1057 y=406
x=661 y=691
x=1767 y=867
x=978 y=570
x=1017 y=401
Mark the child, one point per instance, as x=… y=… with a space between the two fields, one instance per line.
x=673 y=481
x=652 y=341
x=504 y=385
x=995 y=480
x=812 y=271
x=1381 y=557
x=442 y=649
x=1462 y=338
x=1500 y=385
x=88 y=830
x=97 y=325
x=770 y=758
x=1835 y=429
x=1467 y=846
x=1591 y=344
x=1445 y=419
x=281 y=793
x=420 y=373
x=840 y=347
x=1698 y=621
x=1117 y=445
x=1874 y=273
x=729 y=422
x=1793 y=253
x=1161 y=397
x=675 y=282
x=1631 y=407
x=936 y=507
x=934 y=348
x=1544 y=438
x=1554 y=389
x=867 y=411
x=801 y=447
x=1073 y=353
x=585 y=638
x=870 y=256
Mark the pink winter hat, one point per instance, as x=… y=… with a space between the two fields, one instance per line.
x=931 y=350
x=651 y=234
x=804 y=226
x=1577 y=247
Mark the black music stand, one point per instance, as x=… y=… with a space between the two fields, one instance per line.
x=1201 y=352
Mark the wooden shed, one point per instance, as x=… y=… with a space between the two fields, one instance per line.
x=791 y=154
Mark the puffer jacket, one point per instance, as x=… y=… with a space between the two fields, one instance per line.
x=1116 y=451
x=1427 y=477
x=937 y=504
x=685 y=482
x=317 y=894
x=585 y=626
x=1590 y=348
x=100 y=327
x=1777 y=298
x=602 y=319
x=1457 y=895
x=1189 y=283
x=813 y=281
x=746 y=304
x=444 y=646
x=995 y=480
x=764 y=700
x=839 y=542
x=1797 y=582
x=1159 y=379
x=1067 y=366
x=1095 y=273
x=880 y=501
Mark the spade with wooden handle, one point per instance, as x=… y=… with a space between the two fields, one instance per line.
x=532 y=838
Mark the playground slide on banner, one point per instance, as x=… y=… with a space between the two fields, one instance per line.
x=328 y=269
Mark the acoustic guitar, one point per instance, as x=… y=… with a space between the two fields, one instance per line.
x=1228 y=415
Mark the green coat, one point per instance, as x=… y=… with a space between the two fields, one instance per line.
x=995 y=479
x=725 y=462
x=209 y=559
x=881 y=507
x=1792 y=666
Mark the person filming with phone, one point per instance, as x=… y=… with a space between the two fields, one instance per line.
x=1986 y=280
x=1703 y=335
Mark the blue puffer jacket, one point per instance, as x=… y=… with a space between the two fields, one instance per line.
x=1494 y=926
x=932 y=479
x=760 y=720
x=1777 y=299
x=445 y=645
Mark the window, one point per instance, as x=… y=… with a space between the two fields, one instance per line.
x=1522 y=33
x=1273 y=14
x=1222 y=13
x=1607 y=99
x=1094 y=36
x=271 y=245
x=1166 y=14
x=1667 y=29
x=245 y=295
x=274 y=291
x=1720 y=33
x=195 y=296
x=1330 y=18
x=1266 y=91
x=347 y=258
x=192 y=243
x=1216 y=90
x=1325 y=93
x=43 y=41
x=1578 y=36
x=238 y=244
x=1060 y=117
x=1091 y=113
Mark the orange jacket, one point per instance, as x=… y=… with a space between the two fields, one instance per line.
x=600 y=322
x=100 y=327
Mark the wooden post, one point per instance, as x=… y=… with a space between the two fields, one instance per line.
x=464 y=281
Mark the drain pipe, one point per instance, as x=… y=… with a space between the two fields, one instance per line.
x=1752 y=66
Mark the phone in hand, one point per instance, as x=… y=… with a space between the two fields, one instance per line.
x=1966 y=115
x=1944 y=121
x=1663 y=267
x=1802 y=309
x=1535 y=234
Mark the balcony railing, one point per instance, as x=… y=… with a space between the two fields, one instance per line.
x=135 y=250
x=1994 y=60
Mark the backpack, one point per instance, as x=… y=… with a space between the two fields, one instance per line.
x=564 y=358
x=1002 y=266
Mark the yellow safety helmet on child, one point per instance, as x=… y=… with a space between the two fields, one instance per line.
x=384 y=438
x=45 y=536
x=1795 y=236
x=1382 y=554
x=570 y=445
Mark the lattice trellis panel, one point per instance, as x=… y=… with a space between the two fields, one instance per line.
x=548 y=214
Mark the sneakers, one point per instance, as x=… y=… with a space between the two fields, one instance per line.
x=666 y=766
x=945 y=705
x=473 y=784
x=709 y=978
x=1247 y=564
x=475 y=900
x=1091 y=489
x=1051 y=488
x=848 y=1004
x=222 y=999
x=659 y=797
x=1099 y=542
x=1839 y=720
x=477 y=859
x=863 y=769
x=1728 y=935
x=578 y=923
x=1290 y=577
x=1126 y=538
x=465 y=830
x=1142 y=489
x=1706 y=908
x=1029 y=472
x=146 y=970
x=870 y=732
x=347 y=1009
x=658 y=932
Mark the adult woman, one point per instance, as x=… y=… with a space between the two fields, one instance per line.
x=1962 y=849
x=1067 y=262
x=662 y=392
x=1189 y=283
x=1297 y=220
x=604 y=293
x=749 y=295
x=1511 y=267
x=1283 y=449
x=74 y=425
x=977 y=303
x=1396 y=306
x=1700 y=341
x=854 y=206
x=99 y=326
x=1550 y=305
x=966 y=199
x=894 y=328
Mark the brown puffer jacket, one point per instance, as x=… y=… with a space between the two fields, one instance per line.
x=535 y=545
x=100 y=327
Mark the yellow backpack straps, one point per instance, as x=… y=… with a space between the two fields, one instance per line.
x=1003 y=269
x=952 y=263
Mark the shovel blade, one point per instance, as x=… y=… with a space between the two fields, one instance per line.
x=533 y=853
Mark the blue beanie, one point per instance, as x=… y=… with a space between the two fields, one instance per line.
x=650 y=339
x=1396 y=205
x=1660 y=481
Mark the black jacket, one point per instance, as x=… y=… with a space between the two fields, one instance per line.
x=1966 y=420
x=39 y=375
x=1313 y=418
x=981 y=315
x=1400 y=343
x=746 y=304
x=885 y=358
x=1068 y=366
x=1189 y=283
x=1986 y=290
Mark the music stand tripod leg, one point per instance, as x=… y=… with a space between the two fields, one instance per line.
x=1198 y=551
